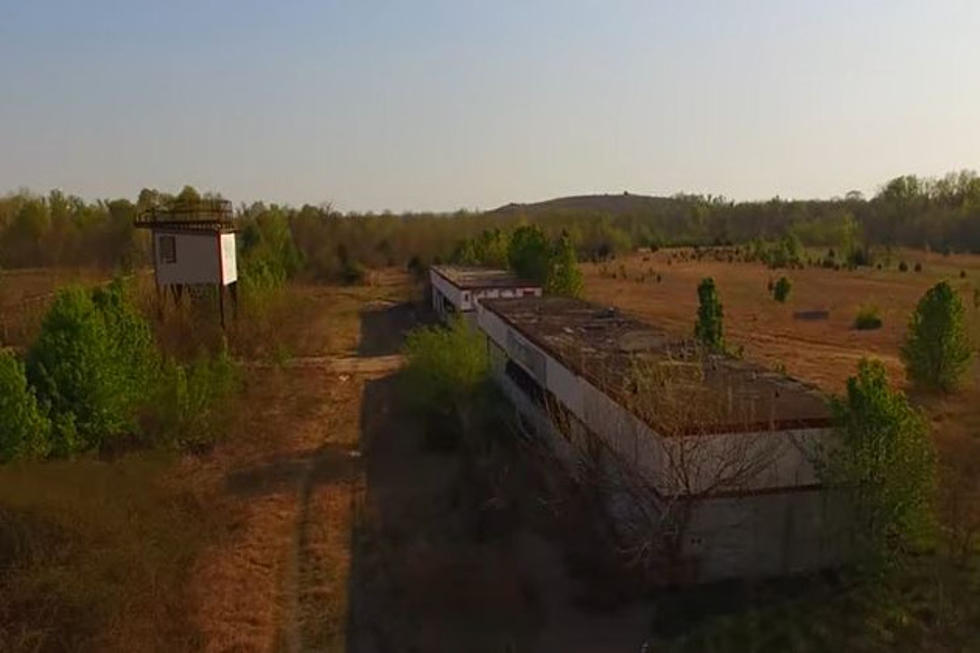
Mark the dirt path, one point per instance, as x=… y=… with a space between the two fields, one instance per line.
x=284 y=488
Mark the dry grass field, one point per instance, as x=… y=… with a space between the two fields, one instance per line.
x=245 y=547
x=824 y=352
x=320 y=523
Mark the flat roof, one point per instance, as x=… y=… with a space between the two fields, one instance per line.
x=666 y=381
x=188 y=226
x=471 y=278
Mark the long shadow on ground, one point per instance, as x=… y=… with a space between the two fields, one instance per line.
x=384 y=325
x=420 y=580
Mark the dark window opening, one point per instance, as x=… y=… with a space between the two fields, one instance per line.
x=525 y=382
x=168 y=249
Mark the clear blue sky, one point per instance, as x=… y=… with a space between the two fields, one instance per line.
x=440 y=105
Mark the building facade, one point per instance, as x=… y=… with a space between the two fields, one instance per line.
x=726 y=445
x=456 y=290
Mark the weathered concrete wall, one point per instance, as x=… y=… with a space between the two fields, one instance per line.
x=198 y=258
x=778 y=524
x=465 y=300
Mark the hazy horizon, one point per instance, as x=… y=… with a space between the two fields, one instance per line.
x=458 y=105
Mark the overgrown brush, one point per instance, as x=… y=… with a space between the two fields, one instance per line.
x=191 y=399
x=446 y=369
x=24 y=428
x=781 y=290
x=102 y=385
x=868 y=318
x=91 y=365
x=937 y=350
x=96 y=556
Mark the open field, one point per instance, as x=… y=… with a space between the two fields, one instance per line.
x=823 y=352
x=245 y=547
x=320 y=522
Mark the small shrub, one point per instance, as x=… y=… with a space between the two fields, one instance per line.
x=903 y=266
x=918 y=267
x=564 y=276
x=708 y=330
x=962 y=274
x=937 y=350
x=352 y=272
x=24 y=429
x=885 y=465
x=91 y=365
x=781 y=290
x=446 y=368
x=187 y=409
x=867 y=319
x=528 y=253
x=416 y=267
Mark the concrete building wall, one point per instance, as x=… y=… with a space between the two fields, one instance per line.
x=785 y=452
x=446 y=294
x=779 y=523
x=229 y=259
x=197 y=258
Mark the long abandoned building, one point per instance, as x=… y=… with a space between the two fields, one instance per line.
x=458 y=289
x=709 y=456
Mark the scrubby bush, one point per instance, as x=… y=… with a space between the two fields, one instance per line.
x=24 y=428
x=564 y=276
x=937 y=350
x=903 y=266
x=708 y=330
x=188 y=406
x=529 y=253
x=785 y=253
x=884 y=463
x=91 y=365
x=867 y=319
x=918 y=267
x=446 y=368
x=352 y=273
x=781 y=290
x=490 y=248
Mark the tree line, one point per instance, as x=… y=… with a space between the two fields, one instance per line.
x=938 y=213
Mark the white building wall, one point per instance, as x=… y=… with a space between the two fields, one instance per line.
x=465 y=300
x=785 y=452
x=451 y=292
x=198 y=258
x=229 y=259
x=779 y=524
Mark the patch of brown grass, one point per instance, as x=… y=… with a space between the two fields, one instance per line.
x=824 y=352
x=94 y=555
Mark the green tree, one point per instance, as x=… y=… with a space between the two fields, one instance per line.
x=564 y=275
x=24 y=429
x=188 y=194
x=91 y=364
x=709 y=330
x=446 y=369
x=490 y=248
x=937 y=349
x=780 y=291
x=529 y=253
x=884 y=463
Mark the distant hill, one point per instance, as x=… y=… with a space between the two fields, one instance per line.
x=621 y=204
